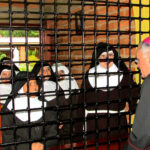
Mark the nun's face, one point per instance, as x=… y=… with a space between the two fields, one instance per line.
x=33 y=87
x=61 y=73
x=106 y=59
x=46 y=72
x=6 y=74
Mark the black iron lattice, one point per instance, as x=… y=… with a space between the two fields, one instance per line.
x=29 y=15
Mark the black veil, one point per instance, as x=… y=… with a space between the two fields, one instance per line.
x=5 y=60
x=104 y=47
x=21 y=78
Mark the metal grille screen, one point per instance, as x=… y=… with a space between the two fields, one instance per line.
x=68 y=79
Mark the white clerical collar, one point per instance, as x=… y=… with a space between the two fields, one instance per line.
x=103 y=80
x=5 y=89
x=21 y=103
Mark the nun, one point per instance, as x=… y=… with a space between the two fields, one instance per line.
x=47 y=84
x=71 y=90
x=66 y=82
x=7 y=74
x=29 y=121
x=108 y=87
x=52 y=92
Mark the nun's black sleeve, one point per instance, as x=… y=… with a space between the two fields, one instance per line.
x=64 y=119
x=8 y=135
x=80 y=116
x=50 y=128
x=140 y=136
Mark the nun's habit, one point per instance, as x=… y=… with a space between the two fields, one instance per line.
x=48 y=87
x=71 y=90
x=106 y=92
x=7 y=62
x=68 y=83
x=5 y=88
x=29 y=119
x=53 y=93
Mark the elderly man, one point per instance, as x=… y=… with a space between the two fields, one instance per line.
x=139 y=138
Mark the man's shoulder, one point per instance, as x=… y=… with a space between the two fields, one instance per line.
x=146 y=81
x=146 y=85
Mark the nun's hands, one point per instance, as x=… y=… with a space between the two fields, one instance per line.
x=61 y=125
x=37 y=146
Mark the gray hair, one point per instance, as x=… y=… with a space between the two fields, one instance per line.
x=144 y=47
